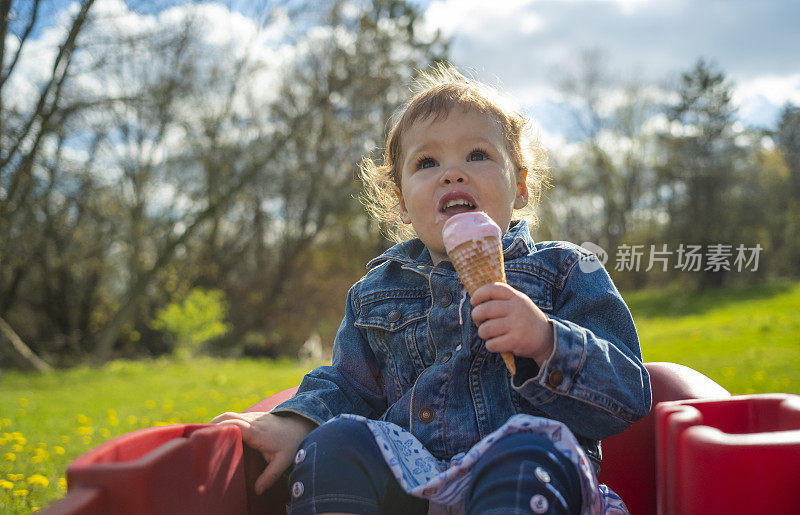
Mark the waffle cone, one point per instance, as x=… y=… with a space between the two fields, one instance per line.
x=479 y=262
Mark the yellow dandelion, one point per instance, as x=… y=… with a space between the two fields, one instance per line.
x=10 y=456
x=14 y=477
x=17 y=448
x=4 y=422
x=85 y=430
x=83 y=419
x=58 y=450
x=21 y=492
x=38 y=479
x=35 y=508
x=6 y=485
x=21 y=439
x=64 y=439
x=62 y=483
x=105 y=433
x=113 y=421
x=151 y=404
x=40 y=455
x=132 y=420
x=87 y=440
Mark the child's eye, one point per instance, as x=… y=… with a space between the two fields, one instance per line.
x=477 y=155
x=425 y=162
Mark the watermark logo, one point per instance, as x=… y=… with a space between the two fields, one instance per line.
x=686 y=258
x=595 y=261
x=689 y=258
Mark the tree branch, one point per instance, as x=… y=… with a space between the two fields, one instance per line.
x=4 y=75
x=60 y=67
x=26 y=352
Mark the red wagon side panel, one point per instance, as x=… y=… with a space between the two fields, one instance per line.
x=740 y=455
x=629 y=459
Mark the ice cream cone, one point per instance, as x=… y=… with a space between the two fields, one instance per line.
x=478 y=260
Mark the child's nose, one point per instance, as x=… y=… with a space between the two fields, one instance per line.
x=453 y=174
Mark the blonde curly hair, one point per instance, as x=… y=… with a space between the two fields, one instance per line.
x=436 y=93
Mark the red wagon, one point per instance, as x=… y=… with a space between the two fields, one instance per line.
x=699 y=451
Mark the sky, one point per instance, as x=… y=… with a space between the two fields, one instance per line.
x=527 y=47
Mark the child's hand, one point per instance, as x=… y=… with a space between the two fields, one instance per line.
x=276 y=437
x=509 y=321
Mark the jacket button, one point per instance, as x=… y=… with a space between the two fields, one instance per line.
x=297 y=489
x=539 y=504
x=556 y=378
x=446 y=357
x=393 y=316
x=445 y=300
x=426 y=415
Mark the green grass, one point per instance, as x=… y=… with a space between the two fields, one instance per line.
x=747 y=339
x=47 y=420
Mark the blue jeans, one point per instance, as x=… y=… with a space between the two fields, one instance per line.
x=339 y=467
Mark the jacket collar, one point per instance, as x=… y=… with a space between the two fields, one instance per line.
x=413 y=254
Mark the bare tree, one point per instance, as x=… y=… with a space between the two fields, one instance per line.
x=606 y=182
x=24 y=131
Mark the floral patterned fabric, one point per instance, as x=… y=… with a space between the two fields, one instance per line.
x=443 y=483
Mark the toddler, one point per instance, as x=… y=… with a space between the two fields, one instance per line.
x=418 y=412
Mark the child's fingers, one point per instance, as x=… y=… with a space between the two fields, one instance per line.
x=492 y=328
x=271 y=474
x=225 y=417
x=496 y=291
x=243 y=425
x=489 y=310
x=502 y=343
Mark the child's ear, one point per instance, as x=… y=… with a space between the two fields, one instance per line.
x=522 y=191
x=401 y=205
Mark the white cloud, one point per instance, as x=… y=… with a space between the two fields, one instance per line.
x=776 y=89
x=480 y=19
x=531 y=45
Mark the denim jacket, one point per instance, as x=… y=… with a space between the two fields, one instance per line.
x=408 y=352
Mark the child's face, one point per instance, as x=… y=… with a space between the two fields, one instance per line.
x=452 y=165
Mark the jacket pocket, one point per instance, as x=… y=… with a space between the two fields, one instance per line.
x=394 y=326
x=534 y=282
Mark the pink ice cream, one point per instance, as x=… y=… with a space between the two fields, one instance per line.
x=473 y=225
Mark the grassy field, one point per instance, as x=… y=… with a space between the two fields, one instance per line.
x=746 y=339
x=48 y=420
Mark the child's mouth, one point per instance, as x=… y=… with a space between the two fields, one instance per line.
x=455 y=207
x=455 y=202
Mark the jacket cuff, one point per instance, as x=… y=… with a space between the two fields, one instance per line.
x=558 y=373
x=306 y=406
